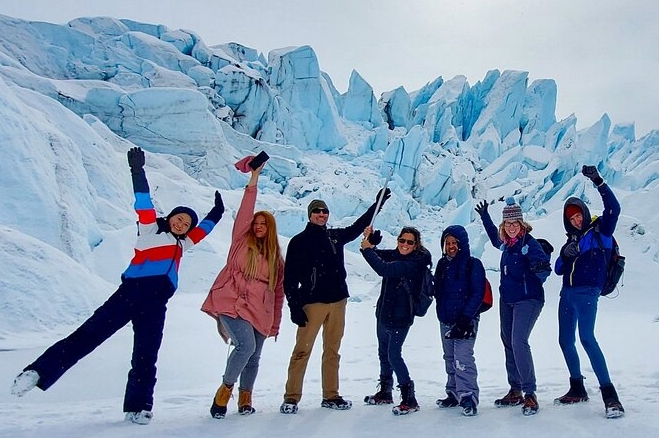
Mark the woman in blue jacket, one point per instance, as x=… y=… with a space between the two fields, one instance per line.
x=524 y=267
x=459 y=289
x=401 y=270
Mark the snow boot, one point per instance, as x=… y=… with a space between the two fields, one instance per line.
x=449 y=402
x=612 y=404
x=383 y=396
x=142 y=417
x=576 y=394
x=245 y=402
x=408 y=402
x=221 y=400
x=530 y=406
x=337 y=403
x=513 y=398
x=468 y=405
x=24 y=382
x=289 y=406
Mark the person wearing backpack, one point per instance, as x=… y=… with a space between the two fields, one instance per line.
x=146 y=286
x=402 y=271
x=524 y=266
x=459 y=291
x=583 y=264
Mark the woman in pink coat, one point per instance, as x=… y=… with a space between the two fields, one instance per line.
x=246 y=298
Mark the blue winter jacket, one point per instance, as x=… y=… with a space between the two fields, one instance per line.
x=524 y=266
x=589 y=267
x=401 y=276
x=459 y=281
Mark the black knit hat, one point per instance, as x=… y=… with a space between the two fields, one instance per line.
x=194 y=220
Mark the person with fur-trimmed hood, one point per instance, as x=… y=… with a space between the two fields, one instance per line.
x=583 y=265
x=524 y=266
x=146 y=286
x=459 y=289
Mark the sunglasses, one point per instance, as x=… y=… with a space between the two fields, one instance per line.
x=320 y=210
x=409 y=242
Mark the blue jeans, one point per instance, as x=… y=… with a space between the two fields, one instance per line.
x=390 y=353
x=460 y=364
x=517 y=321
x=577 y=307
x=246 y=354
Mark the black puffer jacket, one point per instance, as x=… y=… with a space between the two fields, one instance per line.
x=401 y=274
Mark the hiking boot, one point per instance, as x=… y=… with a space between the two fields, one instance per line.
x=383 y=396
x=530 y=406
x=142 y=417
x=613 y=407
x=468 y=407
x=513 y=398
x=24 y=382
x=245 y=402
x=337 y=403
x=576 y=394
x=408 y=400
x=449 y=402
x=219 y=406
x=289 y=406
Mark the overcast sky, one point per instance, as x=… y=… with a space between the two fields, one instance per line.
x=602 y=54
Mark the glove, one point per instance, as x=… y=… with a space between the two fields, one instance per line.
x=591 y=173
x=463 y=329
x=298 y=316
x=218 y=209
x=570 y=250
x=387 y=195
x=219 y=204
x=375 y=237
x=481 y=208
x=136 y=159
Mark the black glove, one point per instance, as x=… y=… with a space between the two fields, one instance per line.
x=298 y=316
x=570 y=250
x=463 y=329
x=481 y=208
x=218 y=209
x=136 y=159
x=375 y=238
x=387 y=195
x=591 y=173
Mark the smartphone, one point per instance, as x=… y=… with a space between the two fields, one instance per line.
x=261 y=158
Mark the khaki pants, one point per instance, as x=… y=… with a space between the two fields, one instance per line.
x=332 y=318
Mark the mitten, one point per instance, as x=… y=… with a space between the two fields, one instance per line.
x=481 y=208
x=463 y=329
x=375 y=238
x=136 y=159
x=570 y=250
x=299 y=316
x=591 y=173
x=387 y=195
x=218 y=209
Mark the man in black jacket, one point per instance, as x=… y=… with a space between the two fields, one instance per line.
x=317 y=293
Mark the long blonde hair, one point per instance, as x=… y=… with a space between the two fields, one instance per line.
x=268 y=246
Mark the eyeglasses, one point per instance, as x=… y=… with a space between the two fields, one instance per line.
x=511 y=224
x=409 y=242
x=320 y=210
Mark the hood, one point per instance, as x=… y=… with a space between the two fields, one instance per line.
x=459 y=232
x=587 y=218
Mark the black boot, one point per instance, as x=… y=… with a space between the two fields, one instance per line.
x=612 y=405
x=408 y=403
x=383 y=396
x=576 y=394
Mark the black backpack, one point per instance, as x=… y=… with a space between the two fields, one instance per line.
x=421 y=302
x=615 y=266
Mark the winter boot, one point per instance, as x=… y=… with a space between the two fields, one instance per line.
x=142 y=417
x=24 y=382
x=612 y=405
x=513 y=398
x=383 y=396
x=530 y=406
x=408 y=403
x=576 y=394
x=468 y=405
x=245 y=402
x=337 y=403
x=220 y=402
x=449 y=402
x=289 y=406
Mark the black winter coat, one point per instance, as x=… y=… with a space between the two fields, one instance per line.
x=401 y=276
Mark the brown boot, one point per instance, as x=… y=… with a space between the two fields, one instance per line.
x=221 y=400
x=513 y=398
x=576 y=394
x=245 y=402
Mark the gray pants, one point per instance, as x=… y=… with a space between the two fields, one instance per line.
x=460 y=365
x=246 y=354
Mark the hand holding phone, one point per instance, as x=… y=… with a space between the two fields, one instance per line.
x=257 y=161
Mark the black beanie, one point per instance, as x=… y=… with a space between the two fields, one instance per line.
x=194 y=220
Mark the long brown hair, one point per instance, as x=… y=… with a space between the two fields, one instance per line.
x=268 y=246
